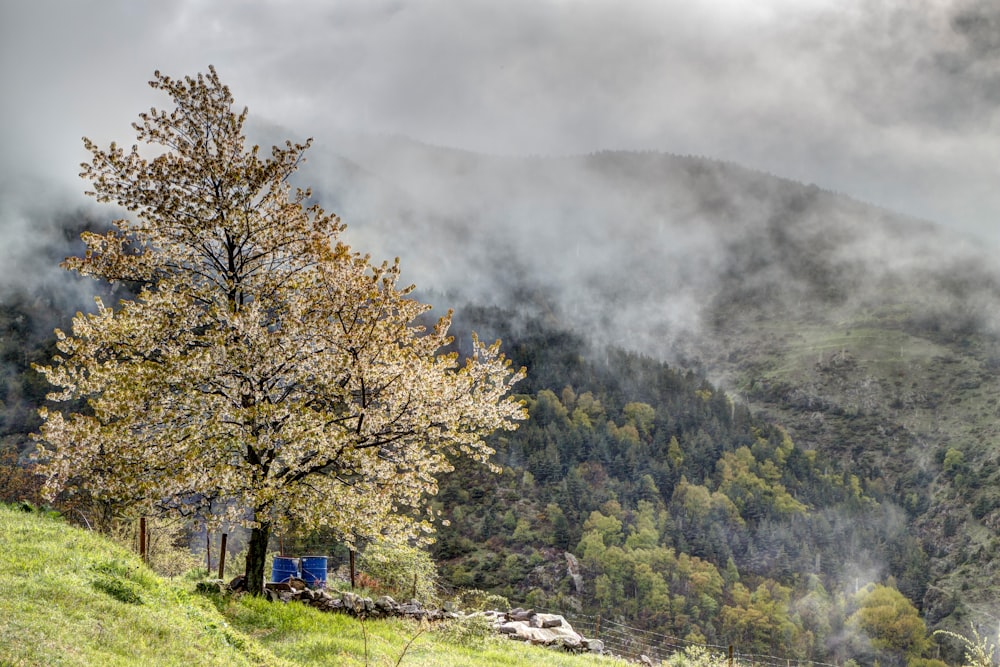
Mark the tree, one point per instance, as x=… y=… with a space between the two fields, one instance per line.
x=891 y=621
x=265 y=373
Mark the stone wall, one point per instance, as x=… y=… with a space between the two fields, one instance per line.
x=517 y=624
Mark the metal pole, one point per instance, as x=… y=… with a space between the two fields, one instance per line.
x=208 y=553
x=352 y=569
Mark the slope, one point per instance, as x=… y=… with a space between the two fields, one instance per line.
x=70 y=597
x=872 y=337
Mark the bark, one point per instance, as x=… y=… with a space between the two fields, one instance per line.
x=256 y=558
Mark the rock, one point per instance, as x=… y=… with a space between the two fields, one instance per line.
x=519 y=624
x=646 y=660
x=526 y=631
x=547 y=621
x=385 y=604
x=519 y=614
x=239 y=583
x=498 y=617
x=573 y=570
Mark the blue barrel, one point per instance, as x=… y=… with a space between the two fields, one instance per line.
x=314 y=571
x=283 y=569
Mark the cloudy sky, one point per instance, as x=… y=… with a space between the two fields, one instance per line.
x=891 y=101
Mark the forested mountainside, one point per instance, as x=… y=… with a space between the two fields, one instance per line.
x=870 y=337
x=684 y=513
x=752 y=400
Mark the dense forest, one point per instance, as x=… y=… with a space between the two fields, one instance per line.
x=683 y=512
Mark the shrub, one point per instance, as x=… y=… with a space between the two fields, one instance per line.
x=474 y=599
x=978 y=650
x=402 y=570
x=696 y=656
x=167 y=551
x=473 y=631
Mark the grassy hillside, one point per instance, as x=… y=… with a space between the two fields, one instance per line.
x=70 y=597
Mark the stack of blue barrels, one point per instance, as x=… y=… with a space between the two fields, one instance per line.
x=313 y=571
x=310 y=569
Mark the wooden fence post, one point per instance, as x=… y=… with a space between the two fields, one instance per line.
x=730 y=655
x=142 y=540
x=222 y=557
x=352 y=569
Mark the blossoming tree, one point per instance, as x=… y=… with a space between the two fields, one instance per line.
x=265 y=372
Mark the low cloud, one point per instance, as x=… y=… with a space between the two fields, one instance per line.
x=893 y=102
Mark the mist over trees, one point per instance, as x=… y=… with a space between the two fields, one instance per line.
x=689 y=516
x=682 y=321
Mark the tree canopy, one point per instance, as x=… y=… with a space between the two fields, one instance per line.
x=266 y=372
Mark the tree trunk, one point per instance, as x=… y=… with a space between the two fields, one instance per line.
x=256 y=558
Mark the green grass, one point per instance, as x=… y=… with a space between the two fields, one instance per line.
x=70 y=597
x=307 y=636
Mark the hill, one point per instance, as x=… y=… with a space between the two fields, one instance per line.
x=70 y=597
x=872 y=338
x=657 y=297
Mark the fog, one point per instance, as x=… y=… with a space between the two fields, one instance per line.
x=892 y=102
x=668 y=255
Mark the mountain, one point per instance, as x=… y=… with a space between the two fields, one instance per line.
x=828 y=368
x=871 y=337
